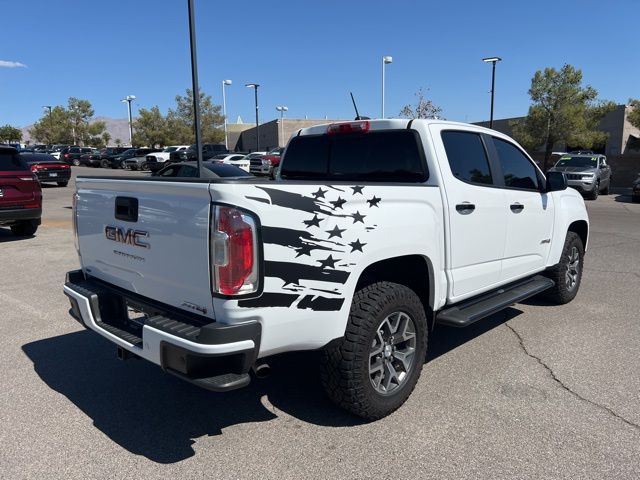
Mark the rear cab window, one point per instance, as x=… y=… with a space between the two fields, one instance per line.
x=11 y=162
x=377 y=156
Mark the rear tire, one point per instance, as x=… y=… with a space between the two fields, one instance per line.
x=373 y=369
x=104 y=164
x=568 y=272
x=24 y=229
x=75 y=162
x=63 y=184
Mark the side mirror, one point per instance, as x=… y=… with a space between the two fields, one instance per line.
x=556 y=181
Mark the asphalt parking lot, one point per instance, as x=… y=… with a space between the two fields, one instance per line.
x=536 y=391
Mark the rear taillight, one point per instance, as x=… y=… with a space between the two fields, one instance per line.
x=234 y=251
x=65 y=166
x=349 y=127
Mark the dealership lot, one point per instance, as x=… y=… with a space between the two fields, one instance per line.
x=534 y=391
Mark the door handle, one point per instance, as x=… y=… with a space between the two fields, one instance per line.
x=465 y=208
x=517 y=207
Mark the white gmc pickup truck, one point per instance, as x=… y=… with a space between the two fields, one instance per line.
x=373 y=232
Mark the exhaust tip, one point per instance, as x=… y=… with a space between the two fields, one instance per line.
x=262 y=370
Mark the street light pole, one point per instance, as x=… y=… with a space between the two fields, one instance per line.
x=255 y=88
x=281 y=109
x=493 y=61
x=386 y=59
x=194 y=84
x=224 y=112
x=128 y=99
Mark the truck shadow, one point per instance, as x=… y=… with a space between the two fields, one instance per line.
x=7 y=236
x=153 y=414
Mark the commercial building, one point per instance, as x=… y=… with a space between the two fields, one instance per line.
x=273 y=134
x=623 y=138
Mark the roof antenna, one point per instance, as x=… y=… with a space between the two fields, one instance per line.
x=355 y=107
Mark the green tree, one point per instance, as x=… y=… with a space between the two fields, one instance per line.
x=54 y=127
x=424 y=108
x=83 y=130
x=10 y=134
x=106 y=136
x=634 y=116
x=151 y=128
x=562 y=110
x=180 y=120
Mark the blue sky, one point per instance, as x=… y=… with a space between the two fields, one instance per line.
x=309 y=55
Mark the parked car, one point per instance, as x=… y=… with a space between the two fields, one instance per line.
x=158 y=160
x=101 y=157
x=211 y=170
x=20 y=194
x=237 y=159
x=71 y=155
x=208 y=150
x=377 y=231
x=56 y=150
x=635 y=190
x=589 y=174
x=118 y=161
x=139 y=162
x=267 y=164
x=47 y=169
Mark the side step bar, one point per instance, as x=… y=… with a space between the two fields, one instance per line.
x=469 y=311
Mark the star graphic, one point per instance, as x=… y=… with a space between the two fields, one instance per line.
x=374 y=201
x=314 y=222
x=304 y=250
x=320 y=193
x=358 y=218
x=329 y=261
x=338 y=203
x=356 y=245
x=357 y=190
x=336 y=232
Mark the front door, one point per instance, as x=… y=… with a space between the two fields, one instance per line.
x=530 y=213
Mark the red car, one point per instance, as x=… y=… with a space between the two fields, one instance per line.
x=20 y=194
x=47 y=168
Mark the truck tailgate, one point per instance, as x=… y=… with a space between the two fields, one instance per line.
x=151 y=238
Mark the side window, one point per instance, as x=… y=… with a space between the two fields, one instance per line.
x=187 y=171
x=518 y=170
x=467 y=157
x=169 y=172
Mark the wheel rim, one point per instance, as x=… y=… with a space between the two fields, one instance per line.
x=573 y=268
x=392 y=353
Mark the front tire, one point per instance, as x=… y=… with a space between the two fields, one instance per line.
x=75 y=162
x=596 y=191
x=374 y=368
x=568 y=272
x=24 y=229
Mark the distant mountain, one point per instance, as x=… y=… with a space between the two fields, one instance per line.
x=117 y=128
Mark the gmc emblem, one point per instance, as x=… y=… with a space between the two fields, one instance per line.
x=127 y=236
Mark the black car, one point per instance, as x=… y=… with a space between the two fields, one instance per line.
x=209 y=150
x=47 y=168
x=101 y=157
x=211 y=170
x=71 y=155
x=118 y=161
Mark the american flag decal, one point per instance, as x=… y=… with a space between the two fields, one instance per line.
x=332 y=233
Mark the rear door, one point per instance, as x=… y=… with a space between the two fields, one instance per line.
x=475 y=209
x=529 y=212
x=148 y=237
x=17 y=185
